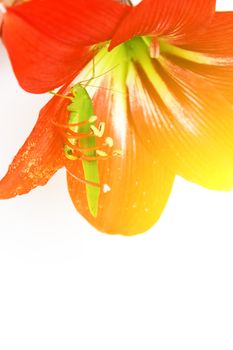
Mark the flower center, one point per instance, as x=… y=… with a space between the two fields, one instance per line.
x=139 y=63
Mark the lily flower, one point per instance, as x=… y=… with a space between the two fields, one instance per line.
x=163 y=87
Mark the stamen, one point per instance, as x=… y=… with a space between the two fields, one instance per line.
x=92 y=148
x=109 y=142
x=101 y=129
x=72 y=146
x=83 y=180
x=154 y=48
x=106 y=188
x=75 y=135
x=103 y=156
x=98 y=132
x=69 y=153
x=101 y=153
x=90 y=158
x=70 y=125
x=92 y=119
x=81 y=149
x=72 y=149
x=117 y=153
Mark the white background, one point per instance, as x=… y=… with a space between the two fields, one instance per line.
x=65 y=286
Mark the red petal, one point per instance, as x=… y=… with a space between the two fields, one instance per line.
x=40 y=63
x=187 y=122
x=79 y=22
x=39 y=158
x=177 y=19
x=140 y=185
x=218 y=39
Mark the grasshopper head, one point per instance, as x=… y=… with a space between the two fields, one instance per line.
x=78 y=90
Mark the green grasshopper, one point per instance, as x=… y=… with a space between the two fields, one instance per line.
x=82 y=114
x=80 y=143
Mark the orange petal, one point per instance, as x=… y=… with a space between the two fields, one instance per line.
x=220 y=76
x=177 y=19
x=138 y=185
x=39 y=158
x=185 y=120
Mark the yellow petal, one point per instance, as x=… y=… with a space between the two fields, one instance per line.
x=135 y=186
x=186 y=122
